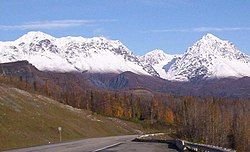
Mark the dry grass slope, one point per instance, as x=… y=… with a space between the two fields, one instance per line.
x=28 y=119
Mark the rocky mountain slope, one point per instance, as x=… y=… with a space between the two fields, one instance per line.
x=210 y=57
x=159 y=60
x=67 y=54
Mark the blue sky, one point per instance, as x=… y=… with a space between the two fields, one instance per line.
x=142 y=25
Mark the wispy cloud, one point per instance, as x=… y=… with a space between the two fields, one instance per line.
x=207 y=29
x=53 y=24
x=200 y=29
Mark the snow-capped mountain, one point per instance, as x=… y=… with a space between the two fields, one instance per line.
x=159 y=60
x=210 y=57
x=80 y=54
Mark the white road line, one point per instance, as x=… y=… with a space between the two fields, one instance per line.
x=106 y=147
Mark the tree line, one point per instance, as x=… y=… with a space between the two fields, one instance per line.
x=217 y=121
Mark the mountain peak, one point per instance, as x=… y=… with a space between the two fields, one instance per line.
x=210 y=57
x=209 y=43
x=155 y=51
x=210 y=37
x=33 y=36
x=154 y=55
x=158 y=59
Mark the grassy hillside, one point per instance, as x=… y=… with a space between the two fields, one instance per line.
x=28 y=119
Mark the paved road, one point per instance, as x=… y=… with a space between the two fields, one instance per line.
x=119 y=143
x=142 y=147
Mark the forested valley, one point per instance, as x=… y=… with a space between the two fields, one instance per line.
x=217 y=121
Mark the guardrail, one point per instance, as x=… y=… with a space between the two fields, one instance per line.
x=186 y=145
x=182 y=145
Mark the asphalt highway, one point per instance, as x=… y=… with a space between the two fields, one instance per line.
x=105 y=144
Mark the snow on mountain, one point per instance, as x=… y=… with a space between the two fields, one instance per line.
x=210 y=57
x=35 y=47
x=66 y=54
x=159 y=60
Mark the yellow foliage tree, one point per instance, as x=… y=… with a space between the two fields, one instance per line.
x=169 y=117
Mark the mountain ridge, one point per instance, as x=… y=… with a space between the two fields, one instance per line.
x=67 y=54
x=209 y=57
